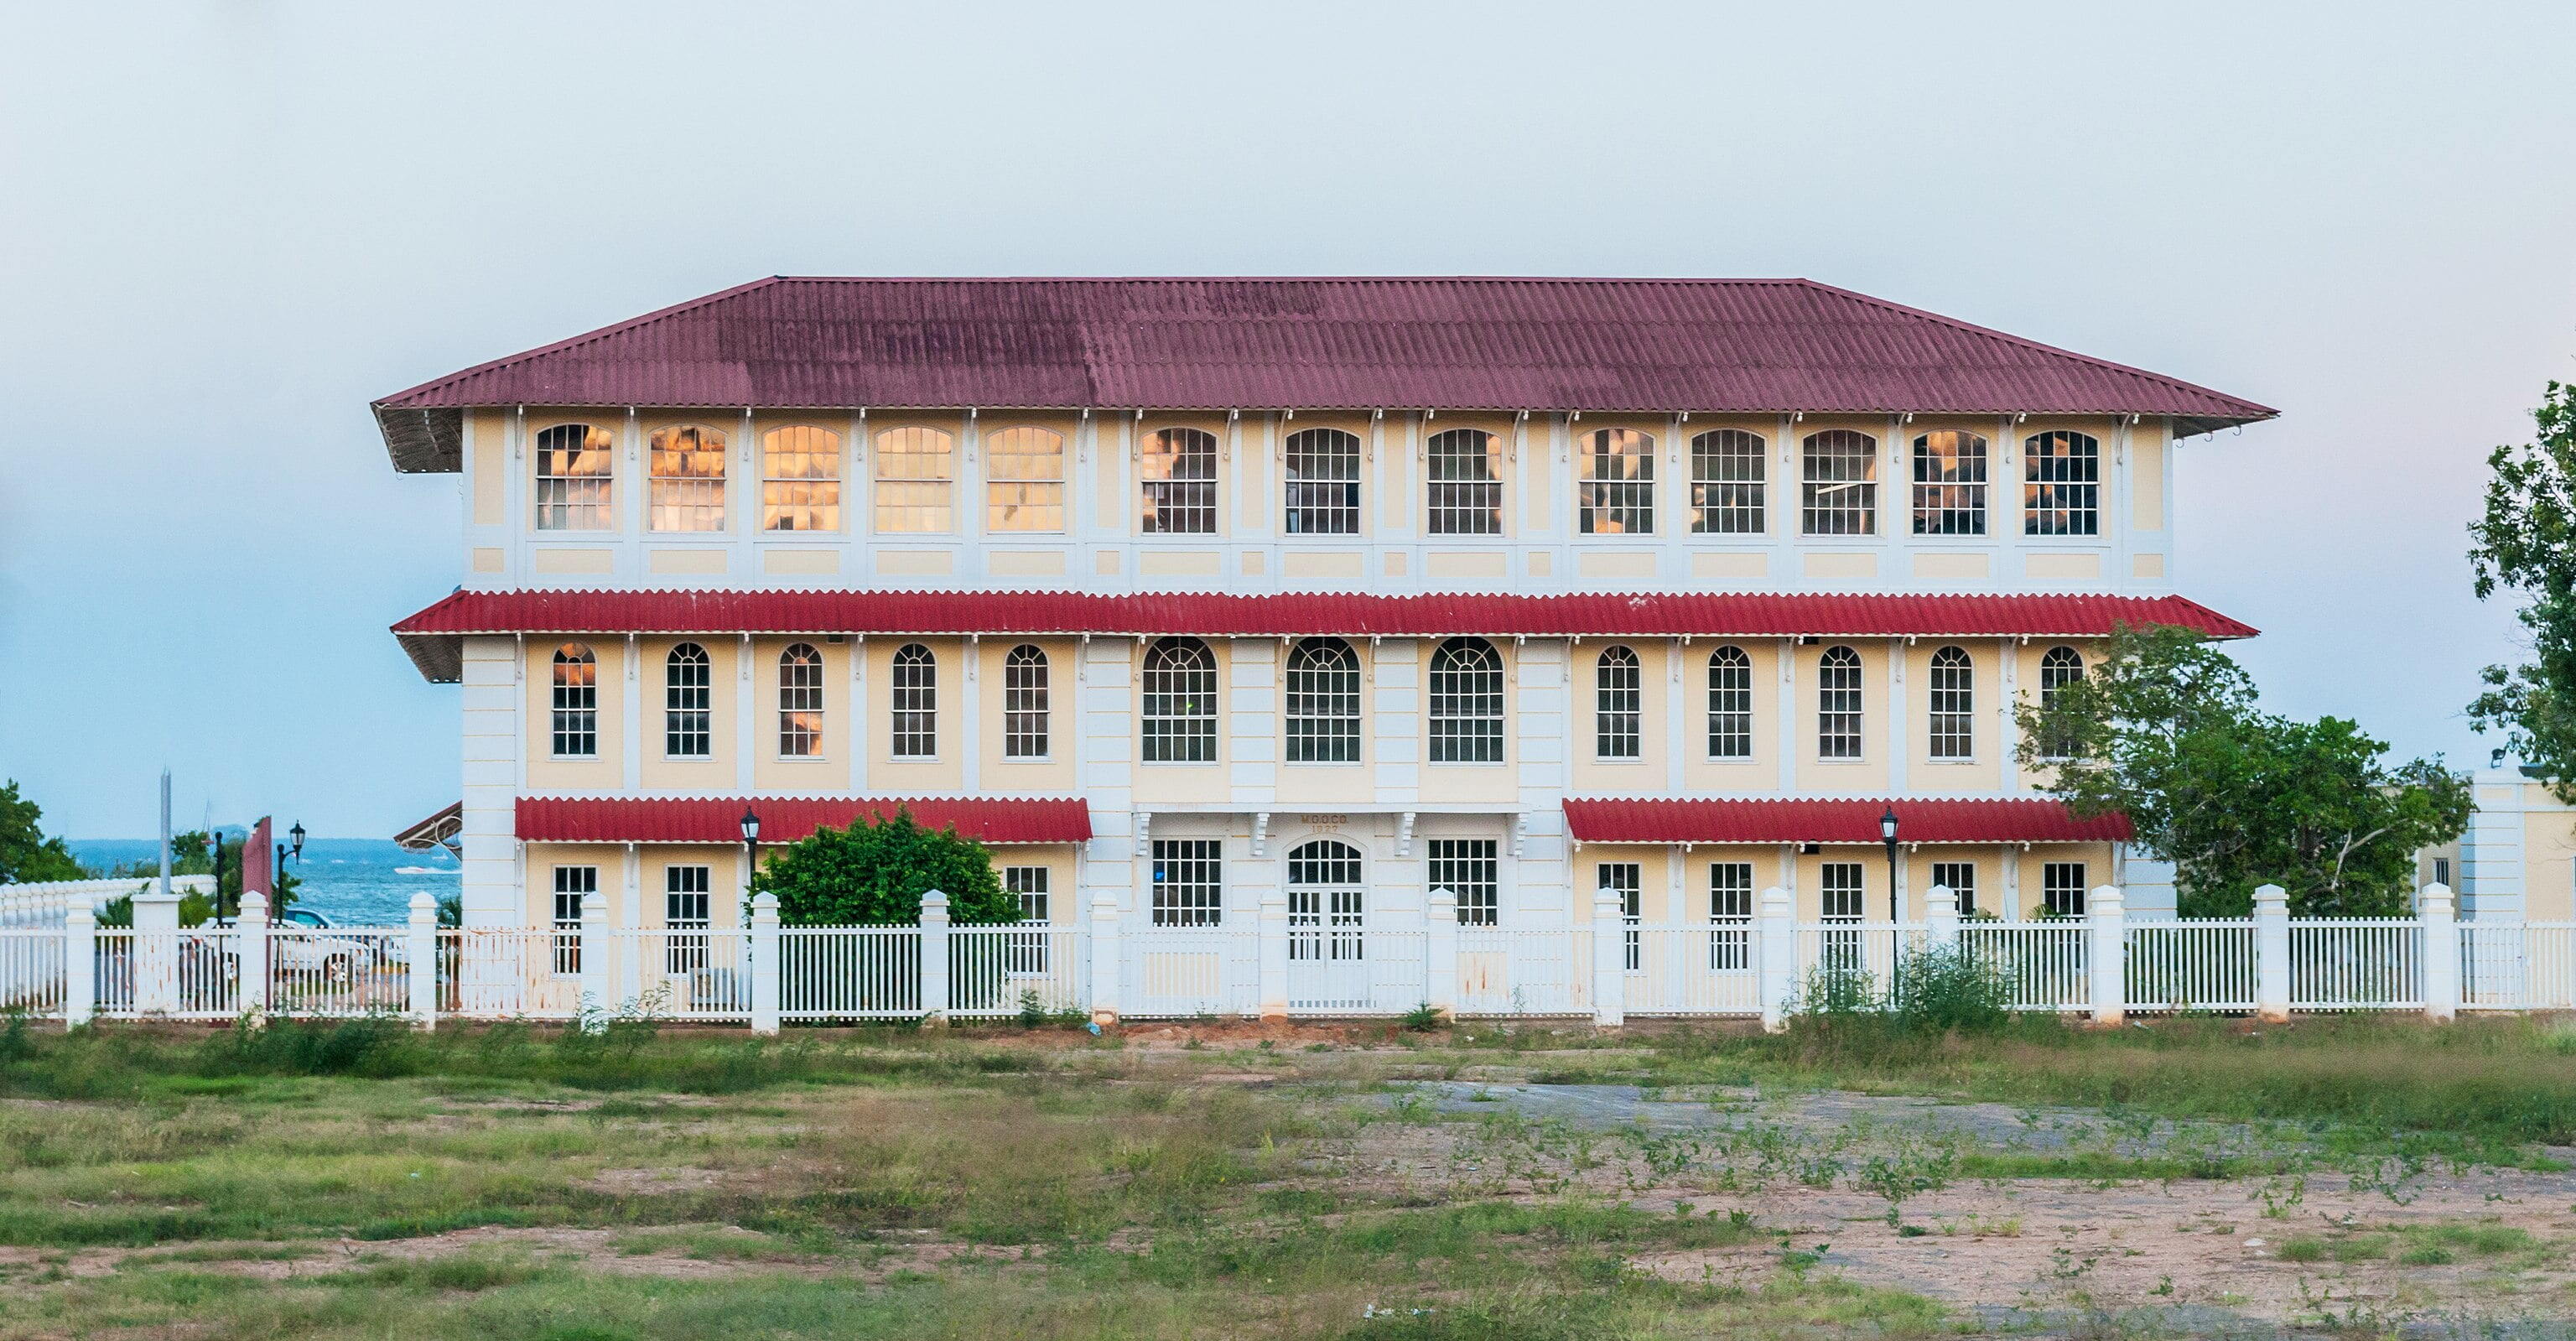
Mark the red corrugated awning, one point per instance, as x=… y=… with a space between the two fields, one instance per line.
x=784 y=819
x=431 y=635
x=1839 y=820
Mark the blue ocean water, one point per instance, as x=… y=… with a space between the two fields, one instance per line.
x=352 y=881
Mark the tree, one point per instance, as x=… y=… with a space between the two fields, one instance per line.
x=26 y=854
x=874 y=875
x=2526 y=543
x=2167 y=731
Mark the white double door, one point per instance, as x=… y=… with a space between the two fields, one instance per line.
x=1327 y=926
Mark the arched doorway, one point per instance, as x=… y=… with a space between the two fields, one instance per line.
x=1327 y=924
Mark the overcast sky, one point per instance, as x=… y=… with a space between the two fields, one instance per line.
x=225 y=227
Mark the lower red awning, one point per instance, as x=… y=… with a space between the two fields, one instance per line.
x=788 y=819
x=1840 y=820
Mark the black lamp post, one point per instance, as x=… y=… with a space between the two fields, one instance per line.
x=297 y=833
x=1887 y=832
x=751 y=838
x=215 y=865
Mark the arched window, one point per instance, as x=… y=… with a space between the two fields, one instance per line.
x=1025 y=710
x=1615 y=491
x=1730 y=704
x=800 y=702
x=688 y=703
x=1180 y=702
x=1466 y=703
x=1024 y=480
x=1618 y=704
x=1838 y=718
x=576 y=703
x=688 y=487
x=1954 y=704
x=2061 y=484
x=1323 y=482
x=913 y=470
x=2058 y=668
x=1949 y=483
x=1465 y=493
x=1323 y=702
x=1326 y=901
x=1841 y=483
x=575 y=465
x=916 y=703
x=800 y=479
x=1726 y=482
x=1179 y=482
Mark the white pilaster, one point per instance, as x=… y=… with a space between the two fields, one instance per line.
x=493 y=698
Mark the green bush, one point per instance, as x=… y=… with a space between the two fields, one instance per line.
x=873 y=875
x=1935 y=990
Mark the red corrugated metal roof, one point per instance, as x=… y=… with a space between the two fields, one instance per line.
x=1842 y=820
x=786 y=819
x=430 y=636
x=1465 y=343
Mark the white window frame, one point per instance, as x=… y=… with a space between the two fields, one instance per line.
x=2059 y=666
x=688 y=905
x=1322 y=700
x=1627 y=879
x=1730 y=704
x=1950 y=716
x=915 y=475
x=1841 y=715
x=800 y=702
x=1028 y=714
x=688 y=703
x=1618 y=705
x=576 y=478
x=1950 y=483
x=1471 y=869
x=1188 y=882
x=684 y=480
x=1320 y=493
x=1024 y=481
x=2062 y=888
x=800 y=479
x=1728 y=473
x=2061 y=492
x=912 y=703
x=573 y=885
x=1176 y=482
x=574 y=703
x=1615 y=482
x=1961 y=878
x=1177 y=708
x=1462 y=491
x=1026 y=952
x=1467 y=704
x=1839 y=480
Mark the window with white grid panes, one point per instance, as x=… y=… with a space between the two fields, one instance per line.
x=1730 y=906
x=1188 y=882
x=915 y=469
x=1615 y=482
x=1024 y=480
x=1838 y=705
x=1727 y=470
x=1961 y=879
x=1028 y=950
x=688 y=703
x=1953 y=718
x=1730 y=704
x=800 y=479
x=1327 y=901
x=1466 y=685
x=915 y=699
x=572 y=885
x=1026 y=711
x=1179 y=717
x=2061 y=484
x=1842 y=889
x=2061 y=888
x=800 y=702
x=1627 y=880
x=576 y=464
x=1463 y=486
x=1470 y=868
x=686 y=905
x=576 y=703
x=1323 y=494
x=2058 y=668
x=1949 y=483
x=688 y=479
x=1323 y=692
x=1178 y=479
x=1840 y=483
x=1618 y=704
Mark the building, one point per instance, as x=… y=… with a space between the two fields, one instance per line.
x=1194 y=595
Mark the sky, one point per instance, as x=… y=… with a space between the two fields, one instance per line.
x=226 y=227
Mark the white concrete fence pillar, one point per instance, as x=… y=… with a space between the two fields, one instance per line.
x=80 y=964
x=766 y=979
x=2271 y=953
x=2441 y=970
x=1270 y=953
x=1609 y=959
x=1104 y=959
x=420 y=959
x=1941 y=919
x=255 y=952
x=598 y=965
x=155 y=960
x=1440 y=952
x=934 y=959
x=1775 y=956
x=2106 y=953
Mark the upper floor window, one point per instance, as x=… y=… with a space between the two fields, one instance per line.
x=2061 y=484
x=800 y=702
x=1841 y=483
x=800 y=479
x=2058 y=668
x=1618 y=705
x=1464 y=490
x=1180 y=702
x=1024 y=480
x=1026 y=712
x=575 y=465
x=1726 y=482
x=1838 y=719
x=1949 y=484
x=1466 y=703
x=915 y=703
x=1323 y=482
x=576 y=703
x=914 y=467
x=688 y=703
x=1616 y=488
x=1954 y=704
x=688 y=490
x=1323 y=702
x=1179 y=482
x=1730 y=704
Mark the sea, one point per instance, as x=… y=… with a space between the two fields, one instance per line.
x=352 y=881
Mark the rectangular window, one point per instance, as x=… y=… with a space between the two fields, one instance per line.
x=800 y=479
x=2061 y=888
x=1024 y=474
x=1841 y=483
x=2441 y=870
x=575 y=463
x=2062 y=484
x=1949 y=484
x=572 y=885
x=1177 y=476
x=1627 y=880
x=1961 y=878
x=1323 y=491
x=1470 y=868
x=688 y=480
x=1843 y=890
x=1726 y=483
x=685 y=908
x=913 y=470
x=1615 y=491
x=1028 y=950
x=1189 y=882
x=1730 y=906
x=1464 y=487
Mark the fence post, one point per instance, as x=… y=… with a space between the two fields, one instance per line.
x=1440 y=953
x=765 y=976
x=934 y=959
x=253 y=949
x=2441 y=971
x=596 y=965
x=1271 y=954
x=420 y=959
x=1609 y=958
x=156 y=953
x=2271 y=953
x=2106 y=953
x=80 y=963
x=1104 y=959
x=1775 y=956
x=1941 y=918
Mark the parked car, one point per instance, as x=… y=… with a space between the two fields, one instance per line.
x=335 y=959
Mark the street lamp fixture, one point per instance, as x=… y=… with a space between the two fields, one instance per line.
x=750 y=844
x=1887 y=834
x=297 y=833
